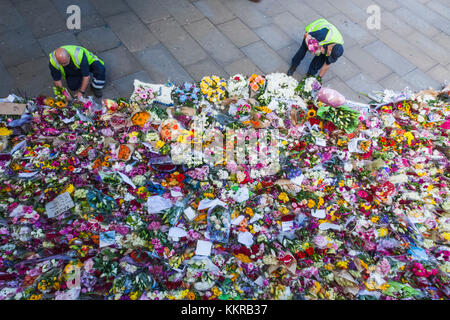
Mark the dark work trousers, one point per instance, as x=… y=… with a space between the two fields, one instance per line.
x=98 y=78
x=316 y=63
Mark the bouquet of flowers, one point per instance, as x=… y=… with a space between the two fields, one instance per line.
x=213 y=88
x=343 y=117
x=240 y=110
x=256 y=82
x=219 y=224
x=308 y=87
x=238 y=86
x=186 y=95
x=62 y=94
x=143 y=95
x=279 y=85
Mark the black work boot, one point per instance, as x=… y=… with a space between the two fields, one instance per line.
x=291 y=71
x=97 y=92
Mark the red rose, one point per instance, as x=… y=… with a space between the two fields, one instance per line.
x=310 y=251
x=180 y=177
x=237 y=78
x=313 y=121
x=301 y=255
x=287 y=259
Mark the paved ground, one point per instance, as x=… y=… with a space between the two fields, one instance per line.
x=183 y=40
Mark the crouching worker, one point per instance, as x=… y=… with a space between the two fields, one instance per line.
x=75 y=64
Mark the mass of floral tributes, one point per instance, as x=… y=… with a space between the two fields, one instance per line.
x=92 y=205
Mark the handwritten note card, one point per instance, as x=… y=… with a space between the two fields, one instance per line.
x=60 y=204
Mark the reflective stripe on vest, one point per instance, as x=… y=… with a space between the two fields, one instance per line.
x=76 y=55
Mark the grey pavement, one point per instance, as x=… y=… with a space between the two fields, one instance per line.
x=184 y=40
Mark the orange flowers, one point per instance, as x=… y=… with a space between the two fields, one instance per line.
x=140 y=118
x=256 y=82
x=169 y=130
x=124 y=152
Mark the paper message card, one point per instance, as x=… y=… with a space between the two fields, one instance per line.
x=190 y=213
x=12 y=108
x=203 y=248
x=60 y=204
x=287 y=225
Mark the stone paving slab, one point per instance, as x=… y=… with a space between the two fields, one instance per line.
x=133 y=33
x=440 y=7
x=428 y=14
x=420 y=80
x=42 y=17
x=429 y=47
x=218 y=46
x=354 y=12
x=10 y=18
x=345 y=69
x=179 y=42
x=352 y=30
x=325 y=8
x=98 y=39
x=243 y=66
x=32 y=78
x=238 y=32
x=388 y=4
x=363 y=83
x=364 y=61
x=416 y=21
x=265 y=58
x=161 y=65
x=394 y=82
x=119 y=57
x=273 y=36
x=54 y=41
x=389 y=57
x=270 y=7
x=108 y=8
x=18 y=46
x=182 y=10
x=393 y=22
x=183 y=40
x=412 y=53
x=245 y=11
x=443 y=40
x=301 y=10
x=207 y=66
x=215 y=11
x=7 y=81
x=291 y=25
x=149 y=10
x=439 y=73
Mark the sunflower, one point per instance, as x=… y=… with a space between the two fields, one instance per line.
x=60 y=104
x=49 y=102
x=311 y=114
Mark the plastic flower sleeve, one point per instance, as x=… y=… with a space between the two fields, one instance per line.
x=219 y=223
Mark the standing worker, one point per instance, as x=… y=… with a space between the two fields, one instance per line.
x=75 y=63
x=324 y=41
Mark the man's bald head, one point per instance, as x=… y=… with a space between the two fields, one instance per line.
x=62 y=56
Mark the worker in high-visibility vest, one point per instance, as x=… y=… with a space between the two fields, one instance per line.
x=324 y=41
x=75 y=64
